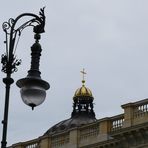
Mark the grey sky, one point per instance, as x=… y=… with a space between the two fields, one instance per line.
x=109 y=38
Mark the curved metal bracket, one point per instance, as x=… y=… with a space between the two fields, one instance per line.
x=9 y=61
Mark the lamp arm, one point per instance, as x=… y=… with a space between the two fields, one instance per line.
x=9 y=61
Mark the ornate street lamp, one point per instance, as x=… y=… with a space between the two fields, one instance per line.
x=33 y=88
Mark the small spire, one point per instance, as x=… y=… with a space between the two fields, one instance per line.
x=83 y=76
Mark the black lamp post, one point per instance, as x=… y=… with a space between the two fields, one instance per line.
x=33 y=88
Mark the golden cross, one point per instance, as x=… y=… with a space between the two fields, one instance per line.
x=83 y=75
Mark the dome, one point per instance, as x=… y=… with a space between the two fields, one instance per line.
x=82 y=113
x=83 y=92
x=73 y=122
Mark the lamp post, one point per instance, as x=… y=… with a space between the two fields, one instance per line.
x=33 y=88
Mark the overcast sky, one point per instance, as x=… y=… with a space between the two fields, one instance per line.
x=109 y=38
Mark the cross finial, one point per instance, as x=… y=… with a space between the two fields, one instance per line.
x=83 y=75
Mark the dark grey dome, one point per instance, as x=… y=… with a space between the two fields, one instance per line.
x=82 y=113
x=76 y=121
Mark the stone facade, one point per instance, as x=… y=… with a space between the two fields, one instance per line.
x=127 y=130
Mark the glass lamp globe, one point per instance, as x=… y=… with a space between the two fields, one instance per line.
x=33 y=96
x=33 y=90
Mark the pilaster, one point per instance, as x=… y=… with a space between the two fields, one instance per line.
x=128 y=114
x=73 y=138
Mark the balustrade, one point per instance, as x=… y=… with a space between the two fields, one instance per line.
x=59 y=140
x=89 y=131
x=33 y=145
x=117 y=122
x=141 y=110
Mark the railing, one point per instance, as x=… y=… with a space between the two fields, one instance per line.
x=89 y=131
x=117 y=122
x=31 y=144
x=60 y=140
x=140 y=109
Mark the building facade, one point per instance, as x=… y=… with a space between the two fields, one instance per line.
x=83 y=130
